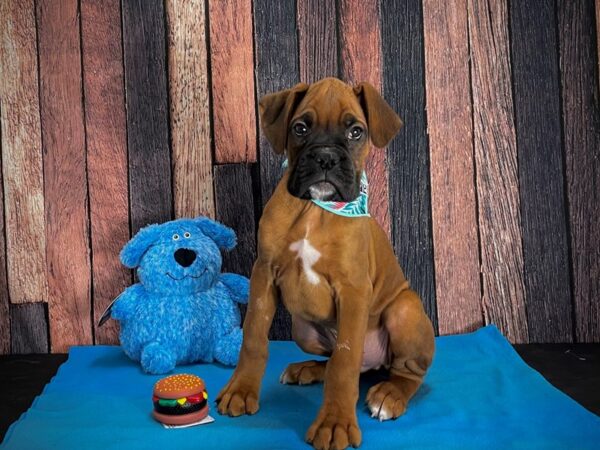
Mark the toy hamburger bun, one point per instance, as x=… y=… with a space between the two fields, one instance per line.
x=180 y=399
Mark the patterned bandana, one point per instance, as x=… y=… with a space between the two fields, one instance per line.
x=359 y=207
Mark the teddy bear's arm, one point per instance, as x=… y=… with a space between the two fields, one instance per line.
x=124 y=306
x=237 y=286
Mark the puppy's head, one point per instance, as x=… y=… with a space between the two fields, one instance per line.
x=325 y=128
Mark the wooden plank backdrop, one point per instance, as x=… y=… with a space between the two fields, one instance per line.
x=119 y=113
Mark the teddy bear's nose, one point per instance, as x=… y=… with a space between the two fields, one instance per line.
x=185 y=257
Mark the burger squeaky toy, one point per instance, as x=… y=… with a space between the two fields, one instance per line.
x=180 y=399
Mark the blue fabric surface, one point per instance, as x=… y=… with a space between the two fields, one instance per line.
x=478 y=394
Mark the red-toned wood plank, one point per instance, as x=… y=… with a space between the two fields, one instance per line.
x=189 y=106
x=317 y=39
x=449 y=125
x=106 y=154
x=232 y=73
x=360 y=40
x=22 y=154
x=4 y=300
x=146 y=95
x=497 y=175
x=581 y=125
x=65 y=179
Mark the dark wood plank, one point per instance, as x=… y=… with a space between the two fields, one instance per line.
x=235 y=208
x=360 y=42
x=147 y=112
x=65 y=179
x=22 y=154
x=536 y=82
x=189 y=108
x=29 y=328
x=497 y=175
x=450 y=130
x=106 y=154
x=4 y=299
x=276 y=69
x=581 y=125
x=317 y=39
x=232 y=76
x=408 y=154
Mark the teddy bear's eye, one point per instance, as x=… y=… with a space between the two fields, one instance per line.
x=175 y=237
x=187 y=235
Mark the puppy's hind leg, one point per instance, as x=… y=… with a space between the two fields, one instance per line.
x=305 y=372
x=412 y=346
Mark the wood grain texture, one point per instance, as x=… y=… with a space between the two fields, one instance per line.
x=189 y=108
x=408 y=154
x=360 y=43
x=232 y=73
x=317 y=39
x=22 y=154
x=65 y=180
x=598 y=35
x=106 y=135
x=235 y=208
x=276 y=69
x=454 y=217
x=4 y=299
x=581 y=125
x=497 y=176
x=29 y=328
x=147 y=112
x=536 y=80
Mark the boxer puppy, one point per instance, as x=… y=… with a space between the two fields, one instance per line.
x=336 y=275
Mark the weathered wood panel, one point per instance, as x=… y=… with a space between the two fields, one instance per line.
x=65 y=179
x=232 y=73
x=21 y=154
x=497 y=176
x=147 y=112
x=106 y=136
x=581 y=125
x=189 y=107
x=317 y=39
x=276 y=69
x=408 y=154
x=235 y=208
x=29 y=328
x=541 y=181
x=360 y=41
x=4 y=300
x=450 y=132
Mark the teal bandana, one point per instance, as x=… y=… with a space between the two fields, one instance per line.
x=359 y=207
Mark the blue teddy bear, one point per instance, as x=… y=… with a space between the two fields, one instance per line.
x=184 y=309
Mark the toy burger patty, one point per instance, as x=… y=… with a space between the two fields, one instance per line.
x=180 y=399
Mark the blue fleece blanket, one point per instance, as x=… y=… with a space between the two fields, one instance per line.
x=478 y=394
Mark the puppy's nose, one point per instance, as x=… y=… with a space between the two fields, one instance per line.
x=327 y=159
x=185 y=257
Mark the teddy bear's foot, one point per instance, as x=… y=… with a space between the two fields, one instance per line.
x=157 y=359
x=227 y=349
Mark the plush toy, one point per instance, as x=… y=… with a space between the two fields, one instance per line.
x=184 y=309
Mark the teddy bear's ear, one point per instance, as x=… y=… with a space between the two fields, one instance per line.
x=223 y=236
x=132 y=253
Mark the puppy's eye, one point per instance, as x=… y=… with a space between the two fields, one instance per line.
x=300 y=129
x=175 y=237
x=187 y=235
x=355 y=133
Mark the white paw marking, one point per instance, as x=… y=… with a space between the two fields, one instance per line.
x=309 y=256
x=284 y=378
x=380 y=412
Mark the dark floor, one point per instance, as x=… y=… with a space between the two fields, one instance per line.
x=573 y=368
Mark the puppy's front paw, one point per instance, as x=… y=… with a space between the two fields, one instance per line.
x=386 y=401
x=334 y=429
x=237 y=398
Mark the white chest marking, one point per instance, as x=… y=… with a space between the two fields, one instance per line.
x=309 y=256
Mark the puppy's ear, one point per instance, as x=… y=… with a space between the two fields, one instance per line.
x=276 y=111
x=131 y=255
x=382 y=121
x=223 y=236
